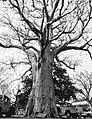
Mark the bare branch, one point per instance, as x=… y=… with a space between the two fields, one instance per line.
x=66 y=47
x=55 y=7
x=42 y=19
x=13 y=4
x=21 y=76
x=63 y=62
x=59 y=17
x=46 y=11
x=18 y=47
x=62 y=5
x=11 y=46
x=85 y=84
x=31 y=25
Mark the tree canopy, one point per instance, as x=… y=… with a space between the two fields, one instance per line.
x=67 y=21
x=23 y=96
x=64 y=86
x=25 y=24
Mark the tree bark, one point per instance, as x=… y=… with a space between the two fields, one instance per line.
x=42 y=98
x=90 y=104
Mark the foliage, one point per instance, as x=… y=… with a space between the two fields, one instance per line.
x=22 y=96
x=64 y=87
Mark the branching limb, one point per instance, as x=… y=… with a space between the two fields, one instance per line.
x=21 y=76
x=67 y=47
x=45 y=8
x=59 y=17
x=62 y=5
x=85 y=82
x=15 y=63
x=55 y=7
x=31 y=25
x=10 y=46
x=42 y=19
x=63 y=62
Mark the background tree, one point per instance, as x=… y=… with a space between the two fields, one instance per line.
x=23 y=96
x=5 y=77
x=16 y=96
x=64 y=86
x=84 y=84
x=43 y=29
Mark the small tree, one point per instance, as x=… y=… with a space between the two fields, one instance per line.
x=84 y=84
x=64 y=87
x=23 y=96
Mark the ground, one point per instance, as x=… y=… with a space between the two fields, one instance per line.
x=39 y=118
x=21 y=117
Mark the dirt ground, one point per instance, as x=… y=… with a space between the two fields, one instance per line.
x=18 y=117
x=38 y=118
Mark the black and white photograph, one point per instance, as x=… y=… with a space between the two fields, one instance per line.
x=45 y=59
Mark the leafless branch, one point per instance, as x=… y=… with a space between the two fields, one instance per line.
x=59 y=17
x=55 y=7
x=84 y=79
x=42 y=19
x=62 y=5
x=31 y=25
x=46 y=11
x=21 y=76
x=63 y=62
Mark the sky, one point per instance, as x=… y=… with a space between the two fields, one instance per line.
x=84 y=61
x=10 y=74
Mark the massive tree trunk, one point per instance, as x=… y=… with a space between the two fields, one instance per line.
x=42 y=98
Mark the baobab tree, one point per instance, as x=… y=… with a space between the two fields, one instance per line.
x=44 y=29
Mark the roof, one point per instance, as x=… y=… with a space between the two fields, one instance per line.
x=80 y=103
